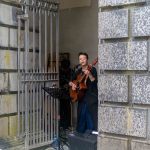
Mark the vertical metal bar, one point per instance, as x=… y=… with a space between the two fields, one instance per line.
x=37 y=113
x=46 y=71
x=34 y=77
x=54 y=77
x=57 y=42
x=40 y=75
x=23 y=88
x=43 y=116
x=43 y=84
x=26 y=87
x=33 y=113
x=46 y=125
x=30 y=101
x=49 y=117
x=57 y=64
x=26 y=118
x=23 y=109
x=40 y=111
x=19 y=30
x=28 y=110
x=23 y=92
x=33 y=39
x=45 y=42
x=40 y=41
x=26 y=71
x=37 y=93
x=52 y=71
x=54 y=117
x=51 y=41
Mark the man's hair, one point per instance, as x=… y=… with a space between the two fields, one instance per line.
x=85 y=54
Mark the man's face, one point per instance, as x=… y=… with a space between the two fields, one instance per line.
x=83 y=60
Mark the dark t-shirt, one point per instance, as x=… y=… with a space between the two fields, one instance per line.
x=91 y=85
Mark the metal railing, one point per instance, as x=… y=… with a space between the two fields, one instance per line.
x=38 y=38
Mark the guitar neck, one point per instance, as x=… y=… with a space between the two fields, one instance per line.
x=83 y=77
x=89 y=68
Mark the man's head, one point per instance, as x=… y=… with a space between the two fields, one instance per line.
x=83 y=58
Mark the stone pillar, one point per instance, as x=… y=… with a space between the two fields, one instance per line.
x=8 y=68
x=124 y=78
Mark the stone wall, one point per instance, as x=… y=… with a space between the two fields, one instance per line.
x=8 y=68
x=124 y=78
x=8 y=64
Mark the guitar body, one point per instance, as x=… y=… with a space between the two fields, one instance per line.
x=77 y=95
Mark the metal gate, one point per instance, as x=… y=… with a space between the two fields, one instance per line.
x=38 y=49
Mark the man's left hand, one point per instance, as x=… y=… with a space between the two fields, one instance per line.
x=87 y=72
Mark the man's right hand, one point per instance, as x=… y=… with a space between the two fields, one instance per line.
x=73 y=86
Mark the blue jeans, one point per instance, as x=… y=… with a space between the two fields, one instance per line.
x=85 y=121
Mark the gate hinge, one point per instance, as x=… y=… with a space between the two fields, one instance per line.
x=22 y=15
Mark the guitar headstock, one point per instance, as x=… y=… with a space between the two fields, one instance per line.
x=93 y=64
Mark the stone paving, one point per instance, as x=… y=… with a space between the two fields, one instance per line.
x=12 y=143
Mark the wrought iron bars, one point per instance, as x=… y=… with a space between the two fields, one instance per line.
x=37 y=111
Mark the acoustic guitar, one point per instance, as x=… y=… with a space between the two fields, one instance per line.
x=78 y=94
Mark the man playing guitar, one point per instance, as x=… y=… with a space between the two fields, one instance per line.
x=88 y=103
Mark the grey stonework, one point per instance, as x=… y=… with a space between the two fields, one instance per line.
x=113 y=88
x=141 y=21
x=139 y=145
x=112 y=120
x=137 y=122
x=113 y=24
x=141 y=89
x=8 y=104
x=8 y=14
x=13 y=82
x=113 y=56
x=8 y=67
x=123 y=56
x=124 y=79
x=137 y=55
x=12 y=1
x=103 y=3
x=9 y=59
x=124 y=121
x=4 y=81
x=9 y=38
x=107 y=143
x=4 y=32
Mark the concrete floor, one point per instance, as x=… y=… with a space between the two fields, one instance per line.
x=51 y=148
x=64 y=148
x=17 y=144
